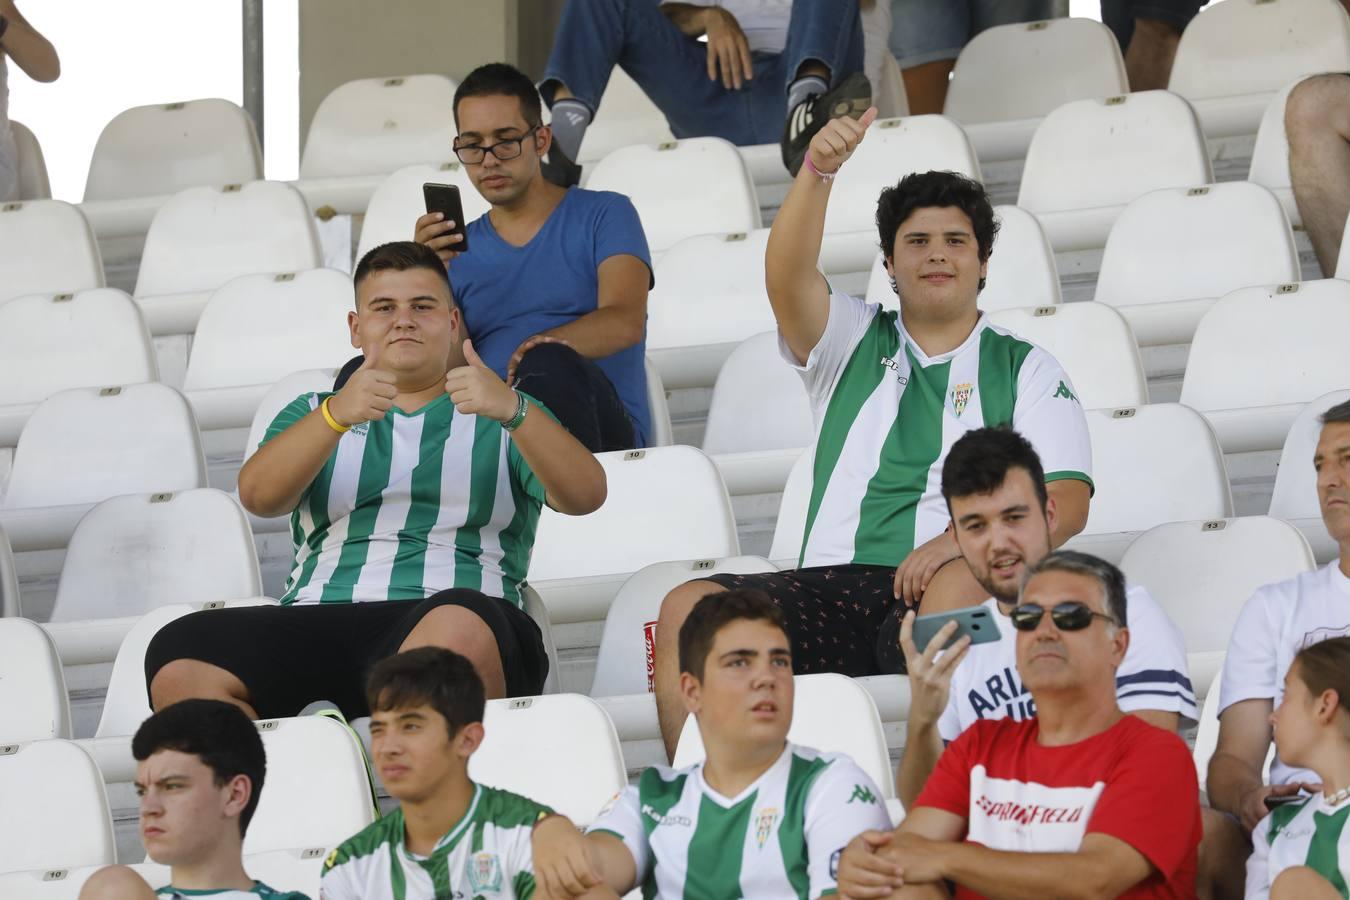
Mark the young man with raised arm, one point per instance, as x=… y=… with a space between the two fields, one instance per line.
x=1002 y=517
x=449 y=837
x=760 y=818
x=199 y=775
x=890 y=393
x=414 y=493
x=1080 y=800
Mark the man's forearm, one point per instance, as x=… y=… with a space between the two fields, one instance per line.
x=923 y=746
x=689 y=18
x=604 y=331
x=274 y=479
x=29 y=49
x=797 y=292
x=1028 y=876
x=572 y=477
x=1230 y=779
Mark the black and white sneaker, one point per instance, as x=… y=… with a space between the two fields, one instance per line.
x=851 y=97
x=560 y=170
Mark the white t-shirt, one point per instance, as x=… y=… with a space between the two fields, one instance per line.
x=1153 y=674
x=1278 y=621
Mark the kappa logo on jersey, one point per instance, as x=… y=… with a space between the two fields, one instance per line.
x=484 y=872
x=1063 y=391
x=894 y=367
x=764 y=823
x=650 y=812
x=863 y=794
x=960 y=397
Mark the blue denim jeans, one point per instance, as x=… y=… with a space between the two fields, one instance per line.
x=924 y=31
x=1119 y=15
x=595 y=35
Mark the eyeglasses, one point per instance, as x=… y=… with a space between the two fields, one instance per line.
x=1070 y=616
x=472 y=154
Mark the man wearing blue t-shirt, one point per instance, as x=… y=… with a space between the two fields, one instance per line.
x=554 y=284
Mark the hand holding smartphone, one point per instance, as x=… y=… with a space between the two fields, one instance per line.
x=444 y=199
x=976 y=622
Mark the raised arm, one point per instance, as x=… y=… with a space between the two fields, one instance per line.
x=27 y=47
x=930 y=684
x=797 y=291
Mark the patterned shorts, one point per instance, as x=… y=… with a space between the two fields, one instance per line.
x=835 y=615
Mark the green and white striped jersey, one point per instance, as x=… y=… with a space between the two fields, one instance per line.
x=1310 y=834
x=886 y=415
x=781 y=837
x=411 y=505
x=260 y=891
x=485 y=855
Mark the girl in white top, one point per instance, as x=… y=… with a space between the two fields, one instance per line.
x=37 y=57
x=1302 y=849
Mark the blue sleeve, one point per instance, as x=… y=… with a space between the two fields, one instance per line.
x=618 y=231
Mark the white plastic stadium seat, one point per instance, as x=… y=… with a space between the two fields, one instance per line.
x=398 y=202
x=1261 y=353
x=317 y=792
x=1343 y=261
x=126 y=705
x=658 y=178
x=790 y=527
x=9 y=579
x=831 y=713
x=1270 y=154
x=54 y=342
x=624 y=663
x=709 y=296
x=203 y=237
x=892 y=149
x=559 y=750
x=1092 y=342
x=1202 y=572
x=658 y=405
x=280 y=395
x=376 y=125
x=1089 y=158
x=32 y=685
x=1173 y=251
x=65 y=820
x=626 y=116
x=132 y=553
x=48 y=248
x=33 y=181
x=1233 y=57
x=534 y=607
x=165 y=148
x=298 y=870
x=664 y=503
x=1150 y=464
x=257 y=329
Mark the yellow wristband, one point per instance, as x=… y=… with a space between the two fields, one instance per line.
x=332 y=422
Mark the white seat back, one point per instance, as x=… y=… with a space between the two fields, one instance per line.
x=49 y=248
x=398 y=202
x=657 y=178
x=257 y=329
x=165 y=148
x=575 y=776
x=32 y=685
x=9 y=579
x=626 y=660
x=1295 y=495
x=658 y=405
x=280 y=395
x=759 y=402
x=54 y=342
x=1092 y=342
x=1025 y=70
x=65 y=820
x=376 y=125
x=626 y=116
x=709 y=290
x=298 y=870
x=663 y=503
x=132 y=553
x=790 y=527
x=88 y=444
x=831 y=713
x=33 y=181
x=1270 y=153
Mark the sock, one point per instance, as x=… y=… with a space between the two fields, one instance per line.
x=570 y=118
x=804 y=88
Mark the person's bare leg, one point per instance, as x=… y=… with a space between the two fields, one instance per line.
x=1223 y=857
x=191 y=679
x=926 y=86
x=1317 y=121
x=1148 y=61
x=953 y=587
x=459 y=629
x=1302 y=883
x=116 y=883
x=670 y=711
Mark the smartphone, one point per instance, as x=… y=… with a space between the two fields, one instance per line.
x=1272 y=802
x=444 y=199
x=976 y=622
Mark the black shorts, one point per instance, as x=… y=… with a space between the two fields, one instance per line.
x=835 y=615
x=290 y=656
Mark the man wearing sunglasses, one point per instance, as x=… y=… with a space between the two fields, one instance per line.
x=1002 y=518
x=1080 y=800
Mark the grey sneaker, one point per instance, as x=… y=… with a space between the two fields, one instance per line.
x=851 y=97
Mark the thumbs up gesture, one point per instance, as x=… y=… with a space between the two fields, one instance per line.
x=366 y=396
x=476 y=390
x=837 y=139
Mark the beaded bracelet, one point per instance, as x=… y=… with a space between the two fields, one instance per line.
x=811 y=167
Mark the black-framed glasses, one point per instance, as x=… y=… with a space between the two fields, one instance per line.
x=1069 y=616
x=472 y=154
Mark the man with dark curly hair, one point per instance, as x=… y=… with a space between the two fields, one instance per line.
x=891 y=392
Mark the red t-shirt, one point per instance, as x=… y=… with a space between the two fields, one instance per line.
x=1133 y=781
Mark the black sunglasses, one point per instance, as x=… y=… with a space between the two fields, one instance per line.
x=1069 y=616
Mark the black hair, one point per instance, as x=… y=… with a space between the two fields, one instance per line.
x=979 y=461
x=1336 y=415
x=400 y=256
x=218 y=733
x=500 y=79
x=918 y=190
x=428 y=676
x=714 y=612
x=1111 y=579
